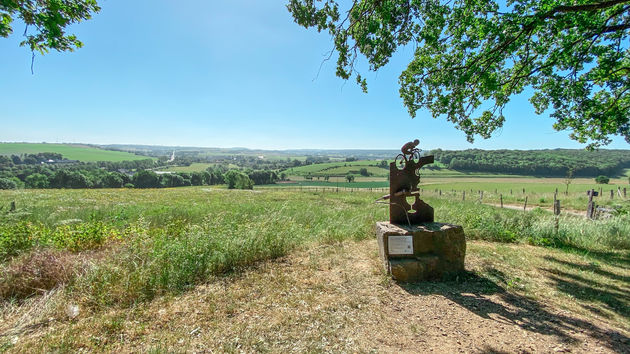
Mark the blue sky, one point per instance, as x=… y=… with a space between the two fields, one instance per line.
x=222 y=74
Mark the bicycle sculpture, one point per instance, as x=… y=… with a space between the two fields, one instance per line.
x=404 y=176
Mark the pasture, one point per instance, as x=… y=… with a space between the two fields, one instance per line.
x=210 y=260
x=194 y=167
x=81 y=153
x=513 y=190
x=342 y=168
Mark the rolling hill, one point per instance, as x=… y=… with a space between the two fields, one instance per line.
x=84 y=153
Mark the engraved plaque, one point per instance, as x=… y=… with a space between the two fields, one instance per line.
x=400 y=244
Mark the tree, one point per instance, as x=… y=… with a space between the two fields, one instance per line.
x=236 y=179
x=172 y=180
x=146 y=179
x=568 y=180
x=602 y=180
x=197 y=178
x=471 y=57
x=113 y=180
x=350 y=178
x=36 y=180
x=46 y=21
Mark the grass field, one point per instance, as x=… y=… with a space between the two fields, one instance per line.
x=342 y=168
x=127 y=258
x=194 y=167
x=72 y=152
x=512 y=190
x=323 y=169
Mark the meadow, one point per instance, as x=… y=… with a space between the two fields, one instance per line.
x=342 y=168
x=118 y=250
x=81 y=153
x=512 y=190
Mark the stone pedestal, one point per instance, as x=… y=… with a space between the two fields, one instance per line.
x=421 y=252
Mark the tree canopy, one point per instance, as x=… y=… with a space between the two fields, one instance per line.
x=46 y=21
x=472 y=56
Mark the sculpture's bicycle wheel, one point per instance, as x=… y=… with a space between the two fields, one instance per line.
x=415 y=156
x=400 y=161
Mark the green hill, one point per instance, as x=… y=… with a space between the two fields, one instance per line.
x=82 y=153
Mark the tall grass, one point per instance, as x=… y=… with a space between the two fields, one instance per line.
x=537 y=227
x=168 y=240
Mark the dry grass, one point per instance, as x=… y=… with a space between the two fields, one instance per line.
x=337 y=298
x=36 y=273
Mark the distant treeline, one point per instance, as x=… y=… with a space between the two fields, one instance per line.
x=551 y=163
x=52 y=171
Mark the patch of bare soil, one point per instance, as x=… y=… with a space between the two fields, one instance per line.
x=337 y=298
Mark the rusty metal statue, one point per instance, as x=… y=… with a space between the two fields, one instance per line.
x=404 y=176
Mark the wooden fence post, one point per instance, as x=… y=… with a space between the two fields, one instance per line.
x=556 y=207
x=589 y=207
x=501 y=198
x=12 y=206
x=611 y=194
x=463 y=195
x=525 y=205
x=624 y=192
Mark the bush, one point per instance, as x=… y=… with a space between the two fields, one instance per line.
x=602 y=180
x=16 y=238
x=6 y=183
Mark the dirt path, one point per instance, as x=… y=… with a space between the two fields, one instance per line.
x=336 y=298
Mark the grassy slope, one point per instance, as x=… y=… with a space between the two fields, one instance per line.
x=163 y=284
x=71 y=152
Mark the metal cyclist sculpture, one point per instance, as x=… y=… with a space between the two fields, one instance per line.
x=409 y=152
x=404 y=176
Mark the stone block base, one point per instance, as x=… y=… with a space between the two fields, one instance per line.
x=421 y=252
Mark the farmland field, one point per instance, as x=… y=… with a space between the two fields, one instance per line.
x=72 y=152
x=342 y=168
x=194 y=167
x=215 y=259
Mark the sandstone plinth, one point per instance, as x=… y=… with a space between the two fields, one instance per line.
x=421 y=252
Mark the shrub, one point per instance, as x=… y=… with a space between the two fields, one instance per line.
x=6 y=183
x=602 y=180
x=16 y=238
